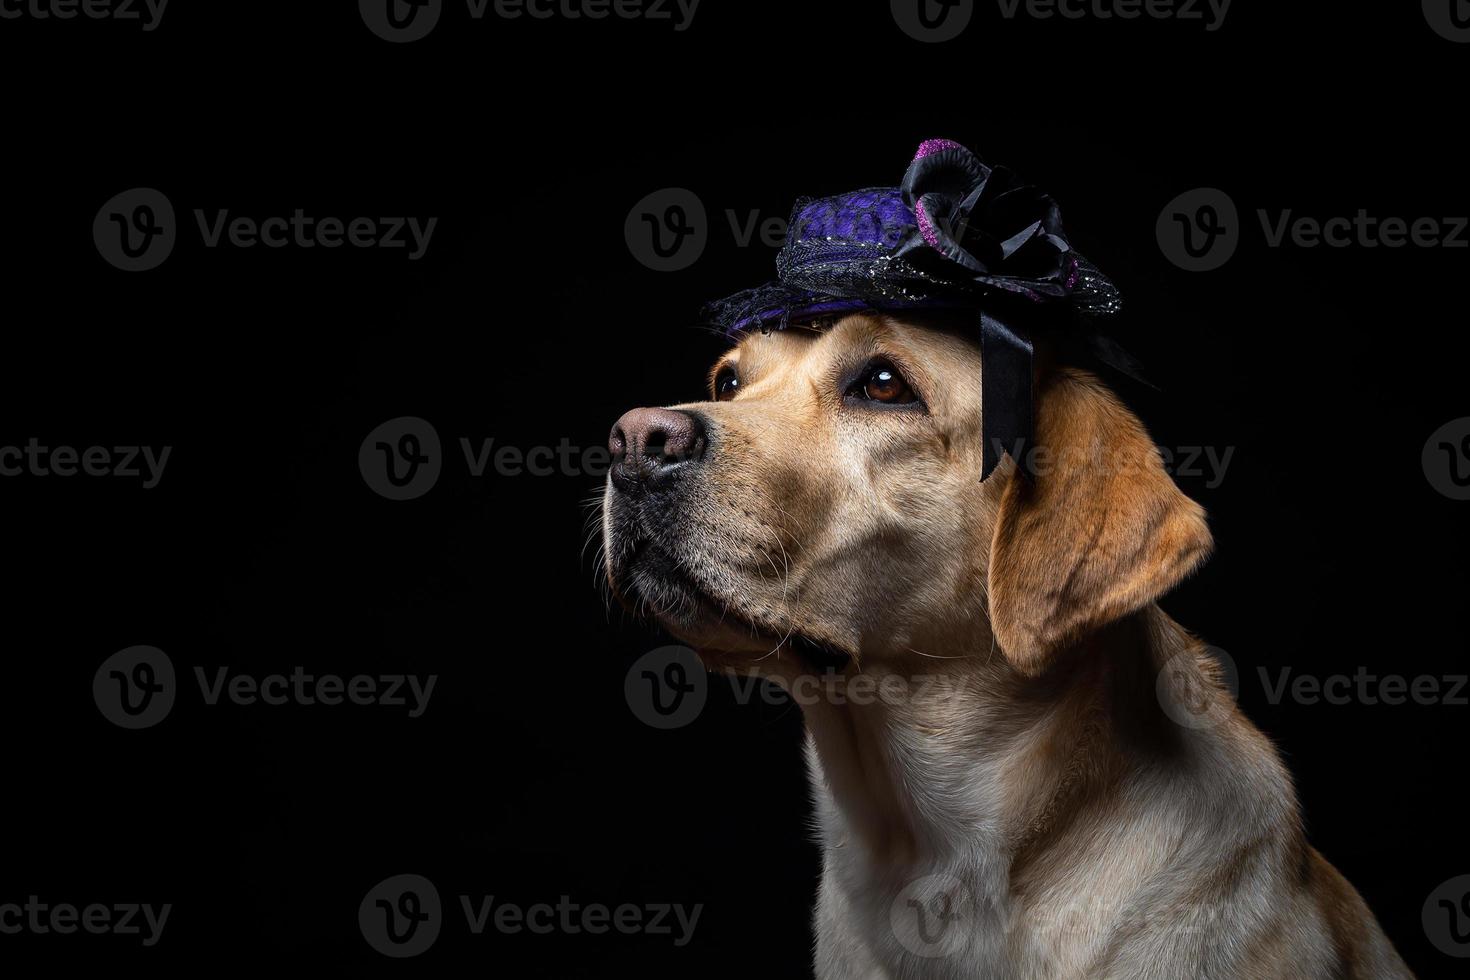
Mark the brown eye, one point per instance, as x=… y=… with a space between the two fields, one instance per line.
x=727 y=383
x=881 y=382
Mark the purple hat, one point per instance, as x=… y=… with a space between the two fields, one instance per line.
x=956 y=234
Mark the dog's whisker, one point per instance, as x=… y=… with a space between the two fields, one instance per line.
x=935 y=656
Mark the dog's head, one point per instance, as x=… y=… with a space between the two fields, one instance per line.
x=828 y=495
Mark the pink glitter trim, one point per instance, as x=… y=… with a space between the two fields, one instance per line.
x=934 y=146
x=926 y=226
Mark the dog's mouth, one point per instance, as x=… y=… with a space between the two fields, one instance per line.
x=651 y=581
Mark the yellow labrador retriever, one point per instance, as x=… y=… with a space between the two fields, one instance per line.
x=1022 y=767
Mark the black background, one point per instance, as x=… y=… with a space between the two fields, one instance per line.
x=530 y=322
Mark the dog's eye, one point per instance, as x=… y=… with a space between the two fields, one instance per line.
x=727 y=383
x=880 y=382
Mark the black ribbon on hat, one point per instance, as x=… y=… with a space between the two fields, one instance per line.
x=1007 y=402
x=998 y=242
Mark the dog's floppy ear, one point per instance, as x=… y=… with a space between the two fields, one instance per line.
x=1099 y=532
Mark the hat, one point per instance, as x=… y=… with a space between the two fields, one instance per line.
x=958 y=235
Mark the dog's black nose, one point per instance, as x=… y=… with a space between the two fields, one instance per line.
x=649 y=443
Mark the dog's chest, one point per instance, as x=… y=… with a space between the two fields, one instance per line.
x=948 y=917
x=944 y=921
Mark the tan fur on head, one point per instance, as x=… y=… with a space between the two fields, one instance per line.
x=1099 y=533
x=871 y=531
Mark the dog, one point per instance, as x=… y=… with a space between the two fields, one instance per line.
x=1049 y=777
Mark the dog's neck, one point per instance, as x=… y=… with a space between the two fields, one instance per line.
x=955 y=756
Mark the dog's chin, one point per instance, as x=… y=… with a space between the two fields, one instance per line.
x=652 y=583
